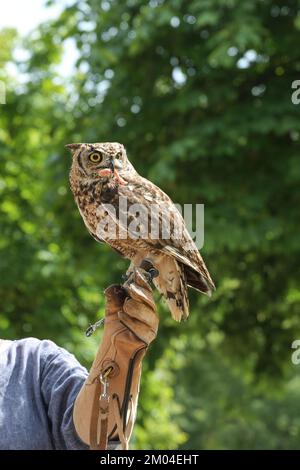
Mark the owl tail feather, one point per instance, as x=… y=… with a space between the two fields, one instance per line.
x=172 y=284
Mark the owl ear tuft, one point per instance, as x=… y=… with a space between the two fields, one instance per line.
x=73 y=147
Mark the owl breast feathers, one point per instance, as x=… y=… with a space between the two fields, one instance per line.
x=138 y=220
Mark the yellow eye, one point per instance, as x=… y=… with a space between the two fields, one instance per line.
x=118 y=155
x=95 y=157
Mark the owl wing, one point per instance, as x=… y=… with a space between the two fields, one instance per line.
x=141 y=191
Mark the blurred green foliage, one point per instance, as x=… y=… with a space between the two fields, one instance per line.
x=199 y=91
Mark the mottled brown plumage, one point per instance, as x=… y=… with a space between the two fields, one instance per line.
x=100 y=176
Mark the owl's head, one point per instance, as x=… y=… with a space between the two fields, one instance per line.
x=98 y=160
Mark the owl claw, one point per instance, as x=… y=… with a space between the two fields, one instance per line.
x=147 y=265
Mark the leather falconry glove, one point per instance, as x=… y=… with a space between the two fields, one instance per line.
x=105 y=408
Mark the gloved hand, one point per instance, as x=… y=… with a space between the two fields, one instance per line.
x=105 y=408
x=134 y=304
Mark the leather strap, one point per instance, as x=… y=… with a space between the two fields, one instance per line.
x=102 y=427
x=99 y=419
x=95 y=417
x=122 y=431
x=99 y=423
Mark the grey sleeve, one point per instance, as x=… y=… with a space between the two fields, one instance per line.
x=61 y=380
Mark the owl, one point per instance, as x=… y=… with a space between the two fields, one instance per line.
x=111 y=196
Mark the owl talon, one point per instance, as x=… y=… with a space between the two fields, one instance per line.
x=151 y=271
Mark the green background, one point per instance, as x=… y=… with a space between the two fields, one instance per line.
x=200 y=94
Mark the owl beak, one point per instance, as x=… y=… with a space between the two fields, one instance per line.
x=118 y=165
x=112 y=166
